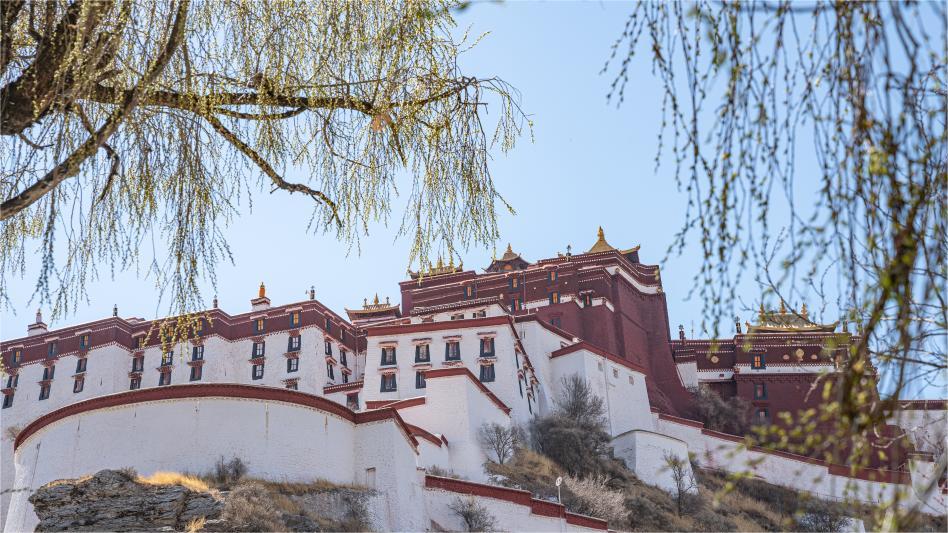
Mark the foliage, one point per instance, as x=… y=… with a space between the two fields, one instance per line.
x=819 y=515
x=574 y=436
x=174 y=478
x=530 y=471
x=501 y=440
x=728 y=416
x=124 y=122
x=474 y=515
x=748 y=86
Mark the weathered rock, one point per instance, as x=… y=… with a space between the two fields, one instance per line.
x=112 y=500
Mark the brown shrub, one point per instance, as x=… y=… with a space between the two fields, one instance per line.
x=250 y=507
x=592 y=496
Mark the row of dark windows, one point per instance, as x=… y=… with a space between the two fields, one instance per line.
x=296 y=320
x=390 y=383
x=452 y=352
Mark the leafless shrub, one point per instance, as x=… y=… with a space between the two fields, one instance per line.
x=503 y=441
x=227 y=472
x=727 y=416
x=13 y=431
x=684 y=479
x=592 y=496
x=474 y=515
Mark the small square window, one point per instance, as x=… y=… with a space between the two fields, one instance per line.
x=259 y=349
x=84 y=342
x=44 y=392
x=257 y=371
x=615 y=372
x=12 y=381
x=164 y=378
x=167 y=359
x=135 y=384
x=422 y=353
x=197 y=353
x=554 y=297
x=388 y=355
x=138 y=363
x=78 y=384
x=762 y=416
x=554 y=275
x=292 y=364
x=330 y=371
x=53 y=349
x=457 y=316
x=49 y=372
x=469 y=291
x=292 y=385
x=758 y=361
x=760 y=391
x=631 y=380
x=81 y=365
x=487 y=373
x=515 y=304
x=294 y=343
x=259 y=325
x=328 y=325
x=419 y=380
x=388 y=383
x=196 y=372
x=514 y=282
x=295 y=319
x=17 y=356
x=452 y=351
x=587 y=300
x=345 y=377
x=487 y=347
x=342 y=358
x=328 y=347
x=7 y=400
x=352 y=401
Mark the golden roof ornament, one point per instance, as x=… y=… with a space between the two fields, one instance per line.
x=804 y=312
x=601 y=245
x=375 y=301
x=262 y=292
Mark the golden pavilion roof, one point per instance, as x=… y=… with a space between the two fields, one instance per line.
x=438 y=270
x=374 y=307
x=601 y=245
x=788 y=321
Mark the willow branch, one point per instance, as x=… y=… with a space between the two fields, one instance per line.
x=70 y=166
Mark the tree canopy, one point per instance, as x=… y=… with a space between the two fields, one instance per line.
x=128 y=121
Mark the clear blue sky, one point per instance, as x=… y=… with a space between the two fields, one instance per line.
x=590 y=165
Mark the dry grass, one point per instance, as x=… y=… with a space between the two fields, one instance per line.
x=195 y=525
x=175 y=478
x=310 y=487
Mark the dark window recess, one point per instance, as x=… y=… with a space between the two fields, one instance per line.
x=84 y=342
x=487 y=373
x=138 y=363
x=259 y=325
x=44 y=392
x=328 y=347
x=554 y=298
x=587 y=300
x=342 y=358
x=294 y=343
x=422 y=353
x=81 y=365
x=257 y=371
x=328 y=325
x=520 y=385
x=459 y=316
x=49 y=372
x=515 y=304
x=469 y=291
x=762 y=416
x=78 y=385
x=330 y=371
x=292 y=385
x=7 y=400
x=197 y=353
x=196 y=373
x=388 y=383
x=760 y=391
x=259 y=349
x=345 y=377
x=529 y=405
x=164 y=378
x=135 y=384
x=352 y=401
x=556 y=321
x=487 y=347
x=419 y=380
x=452 y=351
x=295 y=319
x=292 y=364
x=388 y=355
x=17 y=356
x=513 y=282
x=167 y=358
x=12 y=380
x=554 y=275
x=53 y=349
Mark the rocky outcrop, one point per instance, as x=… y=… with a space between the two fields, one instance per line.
x=114 y=501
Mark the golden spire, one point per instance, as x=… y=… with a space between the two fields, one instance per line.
x=509 y=249
x=601 y=244
x=440 y=263
x=761 y=312
x=262 y=293
x=376 y=300
x=783 y=308
x=803 y=311
x=451 y=262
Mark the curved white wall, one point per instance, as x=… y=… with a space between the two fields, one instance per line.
x=278 y=440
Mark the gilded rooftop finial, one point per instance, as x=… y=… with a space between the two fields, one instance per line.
x=783 y=308
x=262 y=293
x=803 y=311
x=509 y=249
x=376 y=300
x=601 y=234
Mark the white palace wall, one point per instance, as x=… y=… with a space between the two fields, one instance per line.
x=277 y=439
